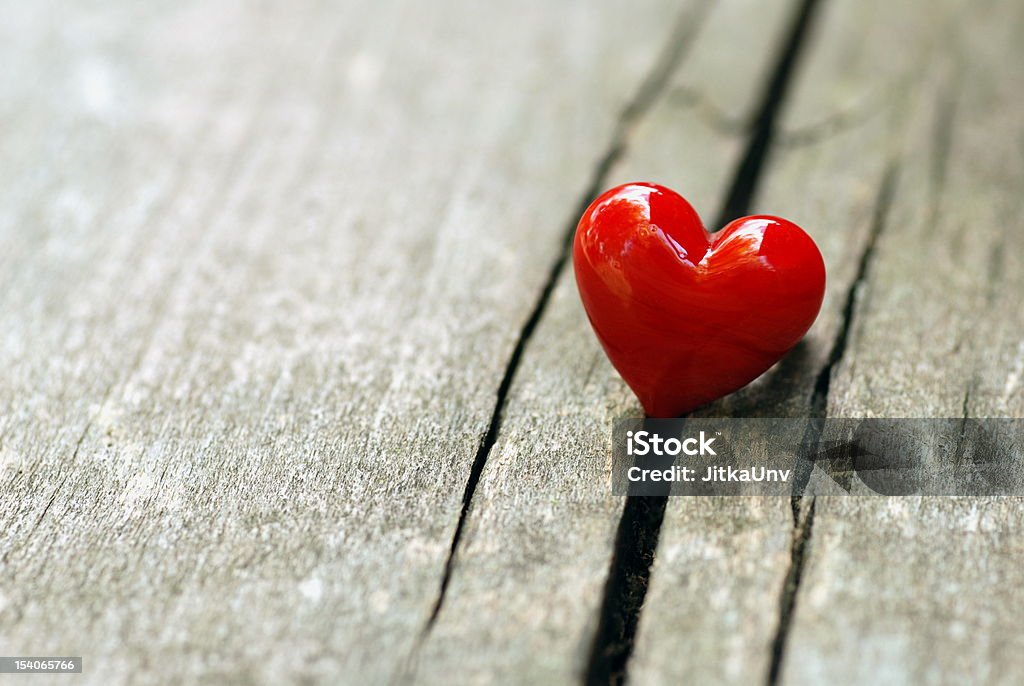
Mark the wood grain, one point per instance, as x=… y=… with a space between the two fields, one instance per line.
x=263 y=267
x=277 y=281
x=528 y=579
x=839 y=160
x=926 y=590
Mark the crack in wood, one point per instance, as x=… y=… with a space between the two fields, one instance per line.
x=961 y=447
x=815 y=133
x=803 y=508
x=650 y=90
x=802 y=528
x=946 y=108
x=636 y=542
x=642 y=518
x=748 y=173
x=883 y=202
x=994 y=272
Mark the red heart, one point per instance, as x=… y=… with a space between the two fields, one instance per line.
x=684 y=316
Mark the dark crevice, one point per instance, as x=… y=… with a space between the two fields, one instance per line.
x=657 y=81
x=942 y=142
x=640 y=526
x=646 y=95
x=494 y=427
x=803 y=507
x=961 y=436
x=748 y=173
x=994 y=272
x=802 y=528
x=635 y=544
x=883 y=201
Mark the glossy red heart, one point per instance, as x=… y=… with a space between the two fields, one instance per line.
x=687 y=317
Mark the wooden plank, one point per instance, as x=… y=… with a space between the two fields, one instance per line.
x=925 y=590
x=841 y=131
x=526 y=590
x=263 y=266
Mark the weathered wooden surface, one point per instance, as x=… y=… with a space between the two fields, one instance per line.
x=892 y=591
x=927 y=590
x=263 y=267
x=830 y=170
x=526 y=591
x=265 y=271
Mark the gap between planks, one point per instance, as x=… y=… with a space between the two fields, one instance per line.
x=641 y=520
x=639 y=529
x=803 y=509
x=650 y=90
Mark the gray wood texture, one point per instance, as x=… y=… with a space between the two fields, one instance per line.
x=909 y=162
x=279 y=283
x=263 y=267
x=527 y=586
x=927 y=590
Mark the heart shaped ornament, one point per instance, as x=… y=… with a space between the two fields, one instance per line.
x=684 y=316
